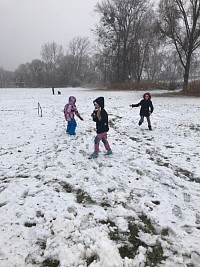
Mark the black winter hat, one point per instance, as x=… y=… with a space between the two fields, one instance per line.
x=100 y=101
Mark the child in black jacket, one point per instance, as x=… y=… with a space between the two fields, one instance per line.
x=100 y=116
x=146 y=109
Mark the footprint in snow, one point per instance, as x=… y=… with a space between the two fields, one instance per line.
x=197 y=218
x=188 y=229
x=177 y=211
x=61 y=164
x=186 y=197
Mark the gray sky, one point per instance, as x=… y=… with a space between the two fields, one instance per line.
x=25 y=25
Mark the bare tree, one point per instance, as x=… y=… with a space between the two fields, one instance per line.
x=37 y=73
x=22 y=75
x=2 y=78
x=171 y=68
x=120 y=33
x=79 y=48
x=180 y=22
x=52 y=55
x=153 y=63
x=140 y=47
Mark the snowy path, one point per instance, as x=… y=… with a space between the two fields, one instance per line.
x=138 y=207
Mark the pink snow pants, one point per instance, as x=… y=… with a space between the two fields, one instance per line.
x=101 y=137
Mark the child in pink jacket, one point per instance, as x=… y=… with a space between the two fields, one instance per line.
x=70 y=110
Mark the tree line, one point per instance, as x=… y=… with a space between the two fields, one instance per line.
x=57 y=68
x=135 y=41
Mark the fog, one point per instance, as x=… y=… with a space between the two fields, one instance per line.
x=25 y=25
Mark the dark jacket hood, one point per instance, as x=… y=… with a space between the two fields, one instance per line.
x=100 y=101
x=148 y=95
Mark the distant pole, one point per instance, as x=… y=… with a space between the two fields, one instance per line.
x=39 y=110
x=53 y=90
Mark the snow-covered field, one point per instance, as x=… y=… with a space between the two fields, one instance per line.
x=138 y=207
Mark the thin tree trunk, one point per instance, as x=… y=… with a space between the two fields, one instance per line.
x=186 y=73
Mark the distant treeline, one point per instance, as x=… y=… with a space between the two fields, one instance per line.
x=136 y=42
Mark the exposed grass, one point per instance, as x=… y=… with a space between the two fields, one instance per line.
x=146 y=86
x=67 y=187
x=112 y=123
x=29 y=224
x=187 y=174
x=190 y=265
x=155 y=256
x=114 y=232
x=135 y=139
x=108 y=222
x=127 y=251
x=83 y=197
x=42 y=243
x=165 y=232
x=148 y=226
x=91 y=259
x=105 y=205
x=130 y=249
x=193 y=89
x=195 y=128
x=129 y=242
x=50 y=263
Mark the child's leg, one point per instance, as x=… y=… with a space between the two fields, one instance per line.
x=72 y=128
x=149 y=122
x=141 y=120
x=105 y=141
x=68 y=127
x=97 y=140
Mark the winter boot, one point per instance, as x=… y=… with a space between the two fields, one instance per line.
x=150 y=129
x=94 y=155
x=109 y=152
x=140 y=123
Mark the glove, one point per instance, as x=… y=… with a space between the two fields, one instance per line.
x=93 y=114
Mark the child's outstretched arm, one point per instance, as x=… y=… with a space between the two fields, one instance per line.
x=135 y=105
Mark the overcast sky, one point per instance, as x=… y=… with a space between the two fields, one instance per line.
x=25 y=25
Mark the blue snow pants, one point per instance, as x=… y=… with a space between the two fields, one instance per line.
x=71 y=127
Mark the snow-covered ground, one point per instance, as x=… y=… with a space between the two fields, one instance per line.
x=138 y=207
